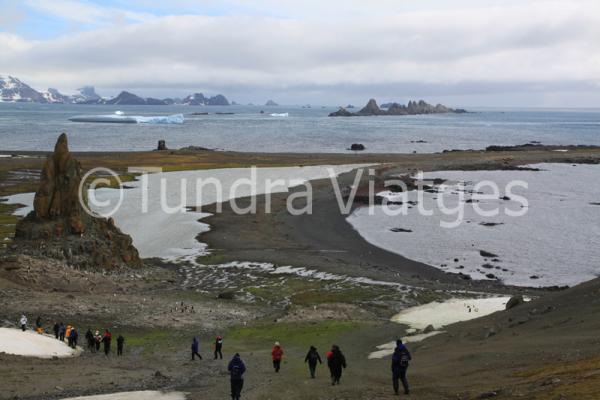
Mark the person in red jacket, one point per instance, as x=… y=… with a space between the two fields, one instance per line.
x=277 y=355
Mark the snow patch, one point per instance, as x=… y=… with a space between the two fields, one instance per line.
x=140 y=395
x=32 y=344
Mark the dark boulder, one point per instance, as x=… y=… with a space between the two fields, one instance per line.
x=162 y=145
x=514 y=301
x=357 y=147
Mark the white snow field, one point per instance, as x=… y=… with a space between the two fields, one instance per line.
x=140 y=395
x=439 y=315
x=32 y=344
x=170 y=232
x=554 y=243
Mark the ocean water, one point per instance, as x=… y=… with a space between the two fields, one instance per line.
x=36 y=127
x=554 y=243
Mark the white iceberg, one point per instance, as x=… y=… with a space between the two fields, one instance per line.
x=120 y=118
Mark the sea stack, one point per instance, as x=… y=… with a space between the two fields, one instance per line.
x=60 y=228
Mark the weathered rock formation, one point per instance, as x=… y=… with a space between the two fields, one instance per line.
x=59 y=227
x=413 y=108
x=162 y=145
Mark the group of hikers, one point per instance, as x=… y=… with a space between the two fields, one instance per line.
x=336 y=361
x=70 y=333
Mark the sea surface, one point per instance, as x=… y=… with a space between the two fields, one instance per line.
x=554 y=242
x=26 y=126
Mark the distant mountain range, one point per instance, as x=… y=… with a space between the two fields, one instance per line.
x=413 y=108
x=14 y=90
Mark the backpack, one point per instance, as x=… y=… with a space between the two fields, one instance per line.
x=404 y=359
x=236 y=371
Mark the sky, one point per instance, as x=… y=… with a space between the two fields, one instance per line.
x=527 y=53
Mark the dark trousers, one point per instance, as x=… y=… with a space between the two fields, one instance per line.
x=218 y=353
x=336 y=375
x=106 y=349
x=23 y=327
x=400 y=375
x=119 y=350
x=61 y=336
x=195 y=353
x=313 y=369
x=277 y=365
x=236 y=388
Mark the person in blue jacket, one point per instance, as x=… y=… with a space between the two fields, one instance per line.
x=400 y=361
x=236 y=370
x=196 y=348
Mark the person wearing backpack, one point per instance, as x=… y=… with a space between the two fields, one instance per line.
x=336 y=363
x=400 y=362
x=236 y=370
x=312 y=357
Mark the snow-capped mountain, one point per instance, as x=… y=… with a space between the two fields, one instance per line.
x=12 y=89
x=54 y=96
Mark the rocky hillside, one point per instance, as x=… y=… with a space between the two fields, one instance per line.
x=413 y=108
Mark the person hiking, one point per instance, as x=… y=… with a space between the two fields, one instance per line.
x=219 y=347
x=38 y=325
x=195 y=348
x=400 y=361
x=120 y=343
x=277 y=355
x=68 y=335
x=23 y=322
x=106 y=339
x=336 y=363
x=91 y=342
x=312 y=357
x=73 y=336
x=236 y=370
x=56 y=330
x=98 y=340
x=62 y=330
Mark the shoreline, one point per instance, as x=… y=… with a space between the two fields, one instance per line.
x=298 y=310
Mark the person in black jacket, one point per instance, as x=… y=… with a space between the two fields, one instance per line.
x=337 y=363
x=56 y=329
x=91 y=342
x=400 y=362
x=312 y=357
x=236 y=370
x=120 y=343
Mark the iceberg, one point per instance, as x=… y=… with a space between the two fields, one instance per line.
x=120 y=118
x=279 y=115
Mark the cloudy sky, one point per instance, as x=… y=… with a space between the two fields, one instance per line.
x=463 y=52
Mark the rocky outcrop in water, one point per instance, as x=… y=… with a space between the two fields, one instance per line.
x=413 y=108
x=60 y=228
